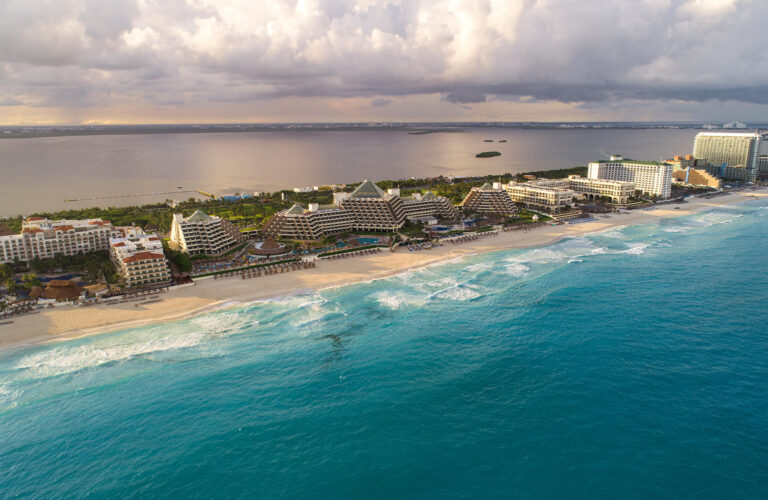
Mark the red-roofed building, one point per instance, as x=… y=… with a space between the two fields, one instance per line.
x=140 y=258
x=43 y=238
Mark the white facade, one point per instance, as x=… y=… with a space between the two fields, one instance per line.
x=651 y=177
x=535 y=195
x=43 y=238
x=617 y=191
x=139 y=257
x=203 y=234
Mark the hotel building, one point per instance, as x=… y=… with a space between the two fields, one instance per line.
x=591 y=189
x=42 y=238
x=139 y=257
x=762 y=166
x=366 y=208
x=489 y=200
x=372 y=209
x=651 y=177
x=203 y=234
x=426 y=205
x=729 y=155
x=318 y=221
x=551 y=198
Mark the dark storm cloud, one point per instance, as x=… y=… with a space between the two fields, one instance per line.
x=105 y=52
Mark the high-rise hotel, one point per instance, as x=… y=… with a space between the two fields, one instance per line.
x=729 y=155
x=651 y=177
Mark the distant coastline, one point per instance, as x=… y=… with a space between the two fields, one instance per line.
x=415 y=128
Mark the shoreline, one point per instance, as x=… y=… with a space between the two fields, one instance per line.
x=208 y=295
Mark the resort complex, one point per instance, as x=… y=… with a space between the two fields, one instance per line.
x=42 y=238
x=203 y=234
x=651 y=177
x=367 y=208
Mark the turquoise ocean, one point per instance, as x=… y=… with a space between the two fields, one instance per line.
x=629 y=363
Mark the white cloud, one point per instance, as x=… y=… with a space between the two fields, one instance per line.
x=93 y=52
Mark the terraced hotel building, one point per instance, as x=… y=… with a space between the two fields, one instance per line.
x=374 y=210
x=488 y=199
x=203 y=234
x=427 y=205
x=367 y=208
x=314 y=223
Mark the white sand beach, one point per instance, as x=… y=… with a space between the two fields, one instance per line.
x=207 y=294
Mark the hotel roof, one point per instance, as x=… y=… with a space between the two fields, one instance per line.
x=634 y=162
x=296 y=209
x=143 y=256
x=367 y=190
x=198 y=216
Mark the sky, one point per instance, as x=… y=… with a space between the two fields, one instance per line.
x=267 y=61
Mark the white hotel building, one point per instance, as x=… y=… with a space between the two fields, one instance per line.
x=42 y=238
x=139 y=257
x=203 y=234
x=551 y=198
x=313 y=223
x=651 y=177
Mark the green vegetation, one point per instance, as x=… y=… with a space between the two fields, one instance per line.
x=487 y=154
x=179 y=260
x=347 y=250
x=93 y=264
x=30 y=280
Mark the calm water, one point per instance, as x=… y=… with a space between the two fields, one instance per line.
x=39 y=174
x=630 y=363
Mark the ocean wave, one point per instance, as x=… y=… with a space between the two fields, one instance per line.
x=395 y=301
x=8 y=397
x=460 y=292
x=516 y=269
x=477 y=268
x=62 y=360
x=636 y=248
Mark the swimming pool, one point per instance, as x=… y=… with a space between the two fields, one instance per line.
x=367 y=241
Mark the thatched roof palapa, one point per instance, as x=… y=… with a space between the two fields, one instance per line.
x=62 y=290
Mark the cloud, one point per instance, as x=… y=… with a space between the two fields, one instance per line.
x=10 y=101
x=86 y=53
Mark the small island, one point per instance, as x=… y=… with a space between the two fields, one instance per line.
x=487 y=154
